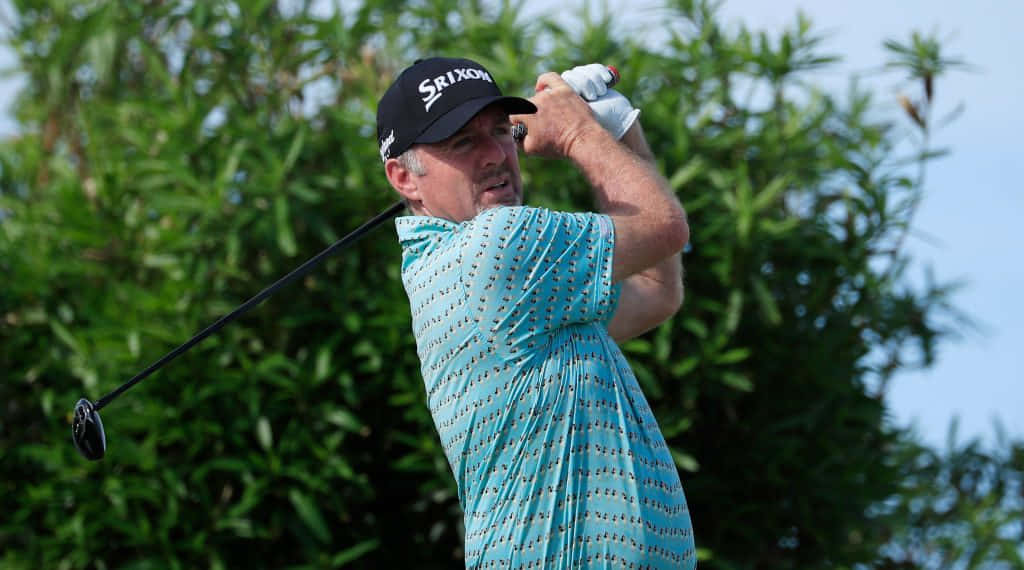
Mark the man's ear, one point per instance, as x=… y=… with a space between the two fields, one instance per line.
x=402 y=180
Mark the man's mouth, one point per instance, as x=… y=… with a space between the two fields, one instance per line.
x=497 y=185
x=498 y=190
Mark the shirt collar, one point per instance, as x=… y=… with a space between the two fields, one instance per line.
x=412 y=229
x=420 y=236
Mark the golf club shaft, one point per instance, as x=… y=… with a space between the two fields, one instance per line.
x=295 y=274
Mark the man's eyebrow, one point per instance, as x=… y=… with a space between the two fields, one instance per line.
x=501 y=121
x=449 y=142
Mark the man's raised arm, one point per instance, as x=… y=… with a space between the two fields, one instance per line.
x=650 y=224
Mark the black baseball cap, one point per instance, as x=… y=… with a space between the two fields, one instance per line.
x=434 y=98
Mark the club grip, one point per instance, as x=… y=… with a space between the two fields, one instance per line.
x=615 y=76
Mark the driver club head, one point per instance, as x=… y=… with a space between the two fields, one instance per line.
x=87 y=431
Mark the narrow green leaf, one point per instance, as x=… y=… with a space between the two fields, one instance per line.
x=252 y=496
x=650 y=383
x=353 y=553
x=737 y=381
x=685 y=461
x=230 y=167
x=310 y=515
x=344 y=419
x=133 y=343
x=734 y=311
x=766 y=302
x=162 y=260
x=686 y=173
x=744 y=210
x=684 y=366
x=285 y=236
x=770 y=193
x=323 y=363
x=674 y=429
x=733 y=356
x=294 y=149
x=777 y=228
x=696 y=326
x=65 y=336
x=263 y=432
x=637 y=346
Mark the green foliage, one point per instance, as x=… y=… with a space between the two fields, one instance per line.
x=962 y=507
x=177 y=168
x=175 y=157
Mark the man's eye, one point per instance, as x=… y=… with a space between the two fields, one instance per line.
x=503 y=130
x=462 y=143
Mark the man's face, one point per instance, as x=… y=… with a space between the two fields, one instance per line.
x=475 y=169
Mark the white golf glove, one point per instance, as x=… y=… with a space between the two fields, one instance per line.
x=611 y=109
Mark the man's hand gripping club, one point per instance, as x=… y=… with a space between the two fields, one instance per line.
x=594 y=83
x=561 y=120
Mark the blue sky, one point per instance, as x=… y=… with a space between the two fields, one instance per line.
x=967 y=226
x=966 y=229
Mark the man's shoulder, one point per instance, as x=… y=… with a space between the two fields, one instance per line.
x=506 y=214
x=509 y=219
x=529 y=222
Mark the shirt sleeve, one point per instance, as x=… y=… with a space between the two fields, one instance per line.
x=529 y=271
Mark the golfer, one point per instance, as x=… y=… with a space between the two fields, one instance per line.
x=517 y=310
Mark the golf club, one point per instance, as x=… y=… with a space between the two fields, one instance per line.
x=87 y=428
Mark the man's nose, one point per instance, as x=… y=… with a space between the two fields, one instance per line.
x=493 y=151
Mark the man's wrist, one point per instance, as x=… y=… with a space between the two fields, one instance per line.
x=589 y=141
x=635 y=141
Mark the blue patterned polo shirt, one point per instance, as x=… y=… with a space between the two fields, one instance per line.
x=559 y=461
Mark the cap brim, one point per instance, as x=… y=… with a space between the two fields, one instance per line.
x=450 y=123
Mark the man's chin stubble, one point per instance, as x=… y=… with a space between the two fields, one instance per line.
x=510 y=202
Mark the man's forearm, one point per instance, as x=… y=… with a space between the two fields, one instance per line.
x=655 y=293
x=635 y=141
x=628 y=187
x=668 y=273
x=623 y=179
